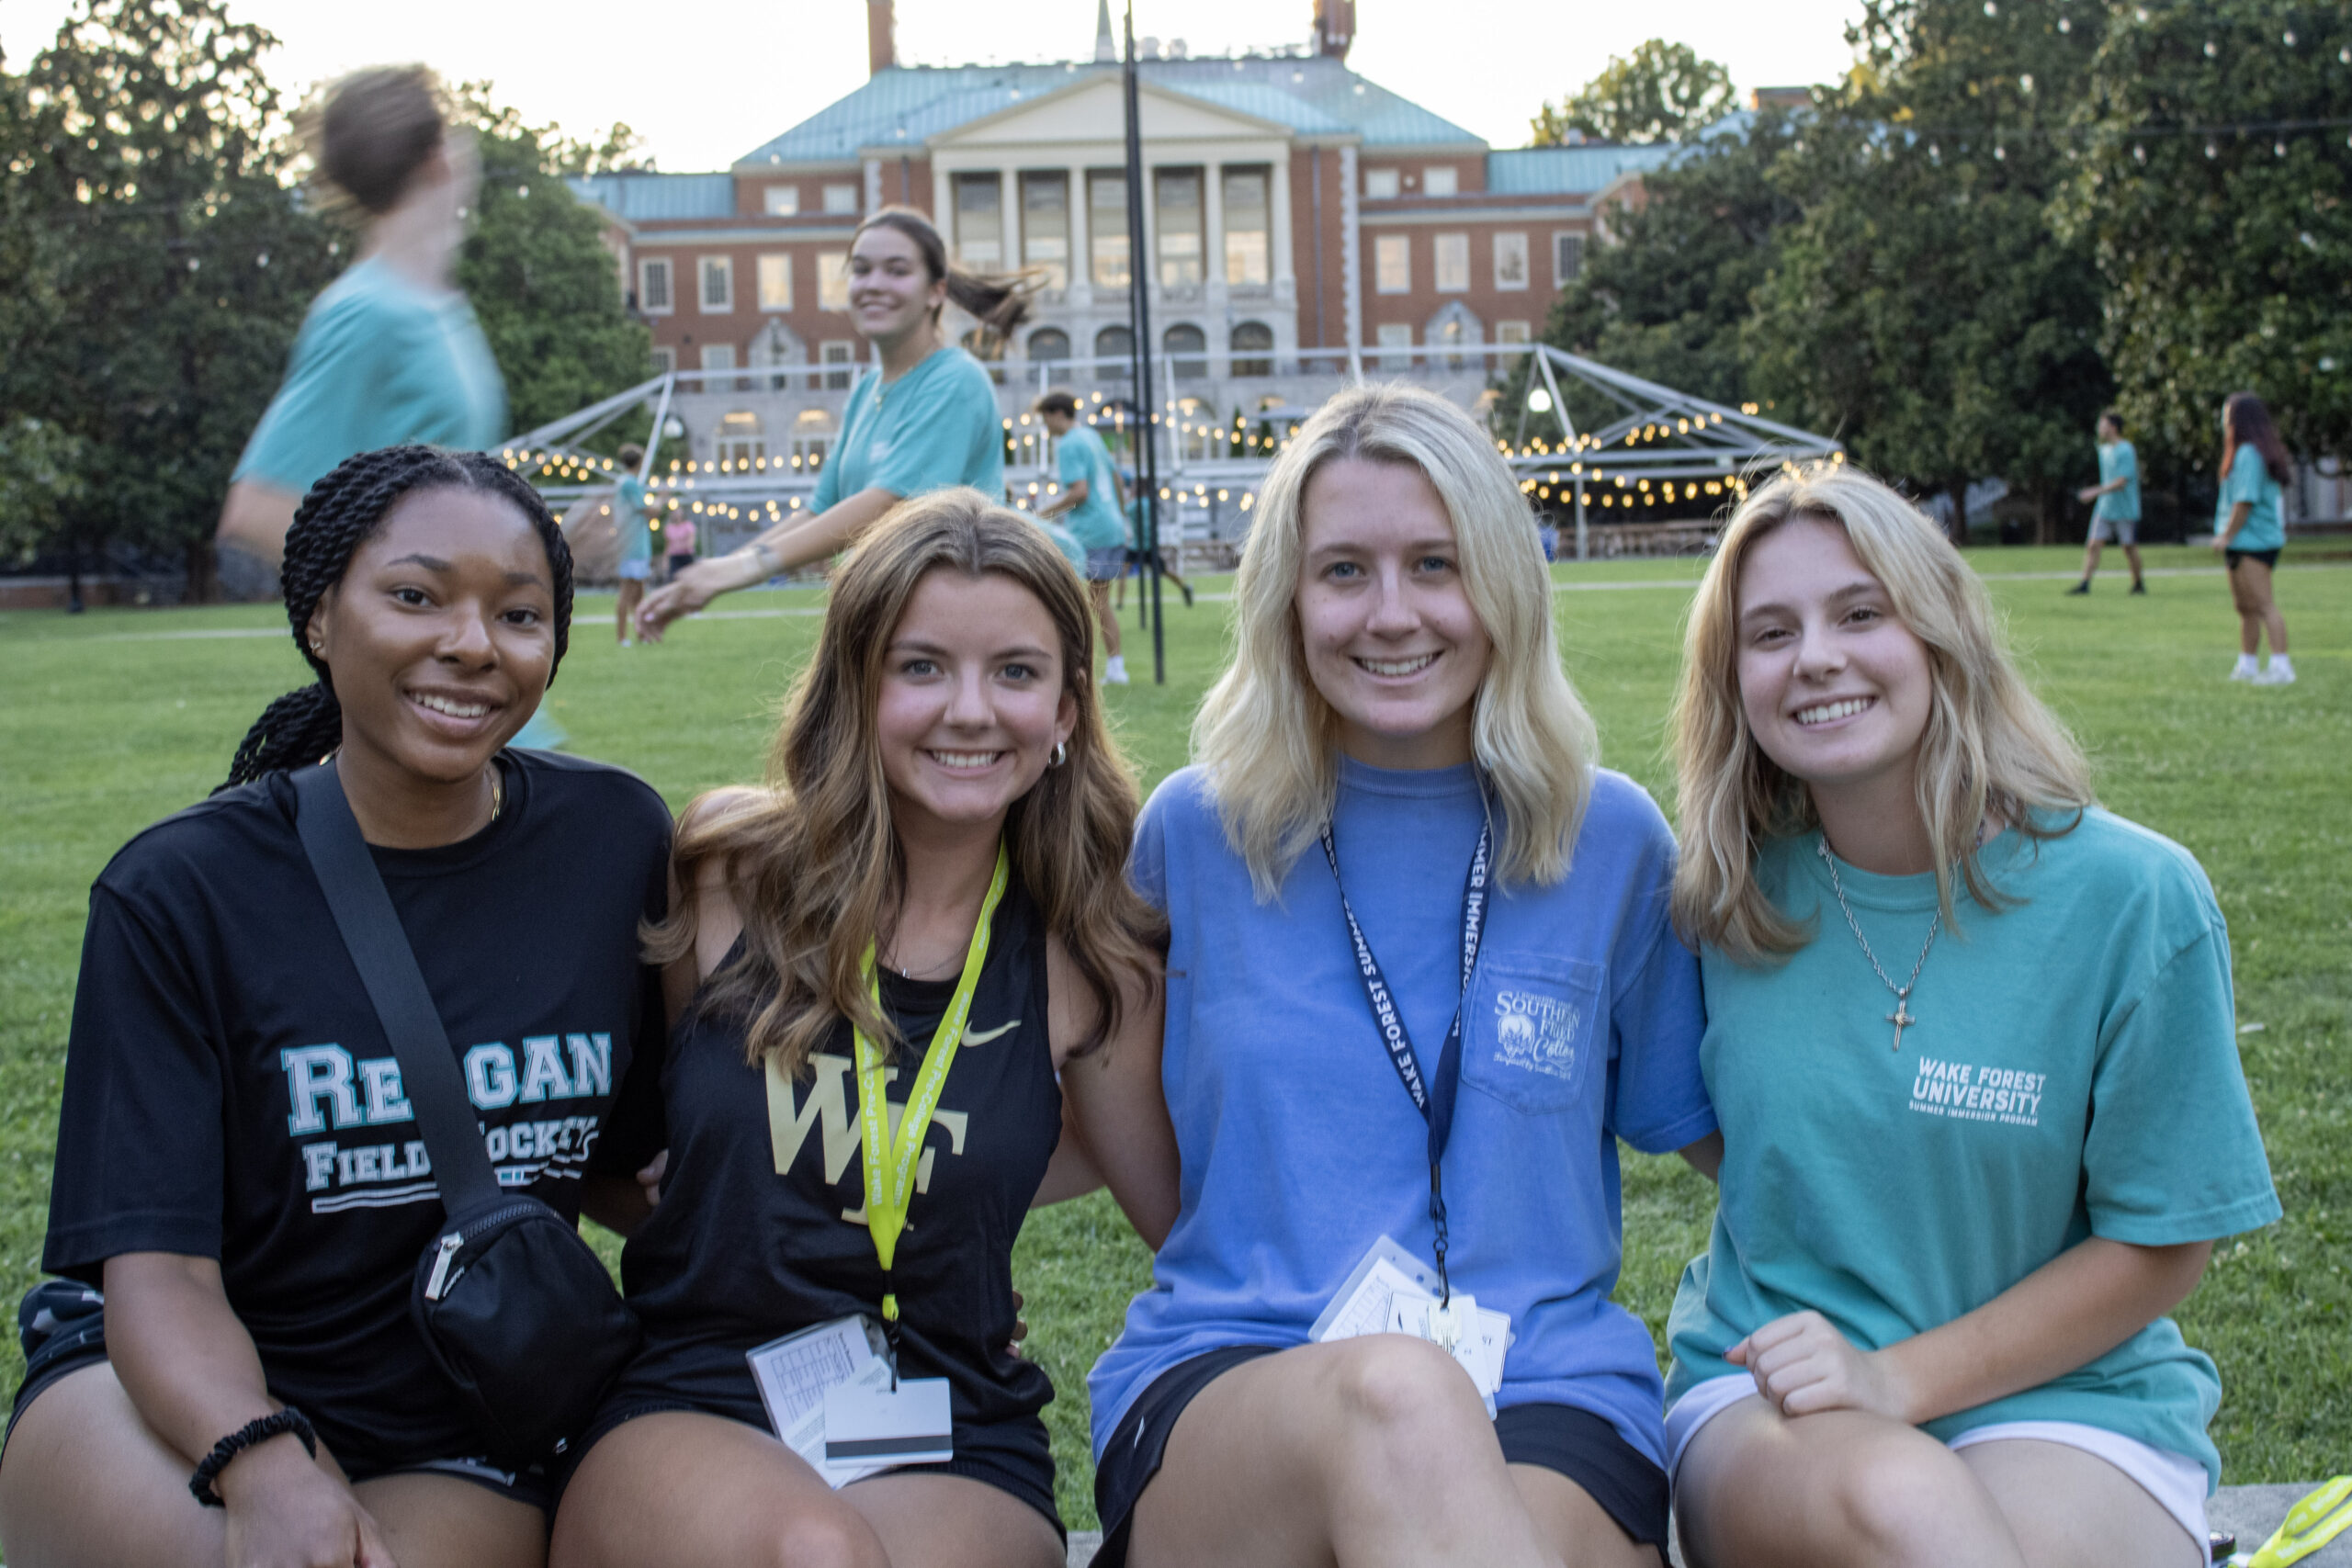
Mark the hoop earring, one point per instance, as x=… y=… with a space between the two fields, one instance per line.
x=1061 y=754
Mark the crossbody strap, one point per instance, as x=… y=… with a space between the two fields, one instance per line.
x=387 y=963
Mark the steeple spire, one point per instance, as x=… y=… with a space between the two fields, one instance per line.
x=1106 y=51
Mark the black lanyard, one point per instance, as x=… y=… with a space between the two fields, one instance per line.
x=1433 y=1100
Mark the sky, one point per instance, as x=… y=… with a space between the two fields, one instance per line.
x=709 y=80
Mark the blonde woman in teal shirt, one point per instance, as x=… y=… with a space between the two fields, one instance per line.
x=2250 y=529
x=927 y=420
x=1971 y=1042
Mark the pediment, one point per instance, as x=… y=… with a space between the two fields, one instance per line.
x=1092 y=111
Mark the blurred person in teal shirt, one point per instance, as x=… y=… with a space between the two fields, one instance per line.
x=1090 y=498
x=630 y=531
x=2250 y=529
x=926 y=420
x=2114 y=503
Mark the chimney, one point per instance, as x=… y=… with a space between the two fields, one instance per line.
x=1335 y=27
x=1106 y=49
x=881 y=49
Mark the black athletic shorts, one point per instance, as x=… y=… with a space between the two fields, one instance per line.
x=62 y=1327
x=2268 y=558
x=1560 y=1438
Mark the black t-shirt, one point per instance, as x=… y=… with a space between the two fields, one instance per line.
x=229 y=1094
x=762 y=1226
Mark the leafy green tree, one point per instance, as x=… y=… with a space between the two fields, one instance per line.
x=1660 y=92
x=41 y=473
x=2226 y=252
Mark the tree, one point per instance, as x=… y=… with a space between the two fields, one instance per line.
x=1922 y=309
x=1661 y=91
x=2212 y=191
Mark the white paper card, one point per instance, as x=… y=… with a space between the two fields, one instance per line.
x=1480 y=1343
x=1364 y=1302
x=793 y=1375
x=906 y=1425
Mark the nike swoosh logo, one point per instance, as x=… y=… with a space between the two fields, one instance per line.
x=981 y=1037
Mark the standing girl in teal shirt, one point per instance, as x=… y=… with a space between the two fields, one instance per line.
x=926 y=421
x=1973 y=1048
x=2250 y=529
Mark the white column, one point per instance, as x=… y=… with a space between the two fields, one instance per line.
x=1350 y=260
x=1212 y=231
x=943 y=204
x=1081 y=250
x=873 y=184
x=1008 y=192
x=1284 y=280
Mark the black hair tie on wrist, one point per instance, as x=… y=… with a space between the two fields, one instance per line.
x=250 y=1434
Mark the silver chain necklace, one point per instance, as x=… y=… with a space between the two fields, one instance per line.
x=1902 y=1016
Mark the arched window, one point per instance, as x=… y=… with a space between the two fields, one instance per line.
x=1250 y=339
x=1186 y=344
x=1048 y=343
x=1116 y=344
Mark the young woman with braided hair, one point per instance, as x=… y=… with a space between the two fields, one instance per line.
x=237 y=1165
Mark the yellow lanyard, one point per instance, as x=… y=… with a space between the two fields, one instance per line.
x=890 y=1165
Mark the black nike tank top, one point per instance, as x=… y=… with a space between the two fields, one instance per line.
x=760 y=1227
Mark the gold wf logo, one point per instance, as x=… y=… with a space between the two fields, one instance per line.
x=826 y=1109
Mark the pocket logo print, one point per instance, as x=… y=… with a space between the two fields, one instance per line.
x=1537 y=1033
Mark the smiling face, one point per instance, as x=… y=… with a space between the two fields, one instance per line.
x=973 y=700
x=440 y=637
x=1391 y=638
x=891 y=292
x=1836 y=689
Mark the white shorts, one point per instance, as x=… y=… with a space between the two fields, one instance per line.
x=2114 y=531
x=637 y=571
x=2177 y=1483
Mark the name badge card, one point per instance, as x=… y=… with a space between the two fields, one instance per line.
x=1475 y=1337
x=793 y=1373
x=906 y=1425
x=1390 y=1292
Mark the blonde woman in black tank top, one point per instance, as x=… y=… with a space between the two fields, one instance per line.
x=948 y=711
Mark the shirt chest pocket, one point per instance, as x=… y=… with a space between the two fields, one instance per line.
x=1535 y=1024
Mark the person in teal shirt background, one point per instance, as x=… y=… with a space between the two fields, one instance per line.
x=635 y=539
x=2114 y=503
x=1973 y=1044
x=2250 y=529
x=926 y=420
x=1090 y=498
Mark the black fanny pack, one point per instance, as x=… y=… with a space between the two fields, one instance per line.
x=513 y=1305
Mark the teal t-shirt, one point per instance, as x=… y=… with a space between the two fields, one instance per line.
x=630 y=521
x=933 y=427
x=379 y=362
x=2117 y=460
x=1084 y=459
x=2249 y=480
x=2072 y=1072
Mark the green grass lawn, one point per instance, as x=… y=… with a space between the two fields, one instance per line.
x=112 y=719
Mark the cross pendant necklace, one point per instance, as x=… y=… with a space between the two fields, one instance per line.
x=1902 y=1016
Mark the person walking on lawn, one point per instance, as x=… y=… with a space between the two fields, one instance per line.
x=1090 y=498
x=2250 y=530
x=2114 y=503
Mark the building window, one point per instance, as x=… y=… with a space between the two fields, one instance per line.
x=1392 y=265
x=1179 y=211
x=1441 y=179
x=739 y=438
x=716 y=357
x=1251 y=342
x=1045 y=227
x=1106 y=228
x=784 y=201
x=1247 y=221
x=653 y=285
x=1394 y=336
x=1452 y=264
x=665 y=360
x=840 y=198
x=775 y=282
x=1187 y=349
x=833 y=281
x=979 y=223
x=812 y=437
x=717 y=284
x=1514 y=332
x=1380 y=184
x=1048 y=343
x=1511 y=261
x=840 y=358
x=1116 y=344
x=1567 y=258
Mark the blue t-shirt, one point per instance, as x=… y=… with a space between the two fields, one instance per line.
x=379 y=362
x=2117 y=460
x=1299 y=1146
x=2072 y=1072
x=1083 y=460
x=2249 y=480
x=934 y=427
x=630 y=521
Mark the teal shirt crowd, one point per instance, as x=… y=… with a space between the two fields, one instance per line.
x=934 y=427
x=1083 y=460
x=630 y=521
x=2117 y=460
x=2072 y=1072
x=379 y=362
x=2249 y=480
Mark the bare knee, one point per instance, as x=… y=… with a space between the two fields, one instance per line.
x=1911 y=1502
x=825 y=1538
x=1391 y=1387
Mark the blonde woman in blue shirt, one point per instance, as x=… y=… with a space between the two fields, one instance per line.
x=927 y=420
x=2250 y=529
x=1973 y=1044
